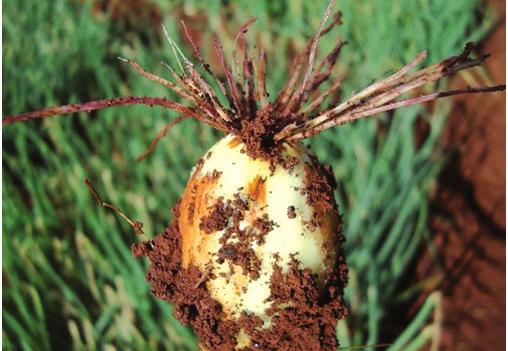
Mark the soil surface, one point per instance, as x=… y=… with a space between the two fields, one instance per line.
x=469 y=214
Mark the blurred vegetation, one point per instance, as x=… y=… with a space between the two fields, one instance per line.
x=70 y=281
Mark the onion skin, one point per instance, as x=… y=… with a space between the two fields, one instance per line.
x=301 y=230
x=252 y=258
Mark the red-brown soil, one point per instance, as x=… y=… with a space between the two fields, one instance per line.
x=469 y=214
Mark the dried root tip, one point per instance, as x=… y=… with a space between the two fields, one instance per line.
x=204 y=276
x=136 y=225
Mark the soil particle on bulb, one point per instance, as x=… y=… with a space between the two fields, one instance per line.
x=218 y=216
x=291 y=212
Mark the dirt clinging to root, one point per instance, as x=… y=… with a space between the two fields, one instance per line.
x=258 y=135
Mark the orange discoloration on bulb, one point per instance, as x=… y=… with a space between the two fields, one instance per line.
x=330 y=226
x=257 y=190
x=234 y=142
x=193 y=207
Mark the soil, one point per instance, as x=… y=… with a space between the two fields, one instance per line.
x=469 y=220
x=304 y=310
x=308 y=325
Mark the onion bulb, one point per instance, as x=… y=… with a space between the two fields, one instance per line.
x=252 y=258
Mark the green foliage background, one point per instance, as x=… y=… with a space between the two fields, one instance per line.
x=70 y=281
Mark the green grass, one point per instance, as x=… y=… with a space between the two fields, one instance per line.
x=70 y=281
